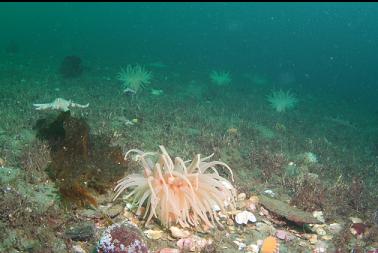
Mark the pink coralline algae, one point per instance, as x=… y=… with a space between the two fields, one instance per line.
x=121 y=237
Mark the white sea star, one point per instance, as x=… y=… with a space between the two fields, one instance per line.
x=59 y=104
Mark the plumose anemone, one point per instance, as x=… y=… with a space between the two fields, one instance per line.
x=175 y=193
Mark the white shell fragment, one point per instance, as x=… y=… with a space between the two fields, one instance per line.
x=216 y=208
x=153 y=234
x=129 y=206
x=356 y=220
x=240 y=245
x=270 y=193
x=244 y=217
x=319 y=216
x=242 y=196
x=178 y=232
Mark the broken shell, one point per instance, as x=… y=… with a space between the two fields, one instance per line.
x=230 y=222
x=355 y=220
x=244 y=217
x=129 y=206
x=327 y=237
x=313 y=239
x=270 y=193
x=320 y=231
x=242 y=196
x=216 y=208
x=179 y=233
x=319 y=216
x=153 y=234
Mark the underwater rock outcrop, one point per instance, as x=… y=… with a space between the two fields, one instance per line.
x=82 y=164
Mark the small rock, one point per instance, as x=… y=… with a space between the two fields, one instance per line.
x=114 y=211
x=90 y=213
x=123 y=236
x=281 y=234
x=185 y=244
x=81 y=232
x=291 y=213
